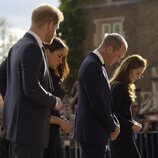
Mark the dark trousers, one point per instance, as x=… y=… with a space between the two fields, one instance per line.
x=26 y=151
x=4 y=148
x=92 y=150
x=54 y=148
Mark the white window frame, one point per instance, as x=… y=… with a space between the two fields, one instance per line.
x=114 y=27
x=103 y=28
x=100 y=25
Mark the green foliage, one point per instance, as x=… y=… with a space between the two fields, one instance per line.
x=72 y=31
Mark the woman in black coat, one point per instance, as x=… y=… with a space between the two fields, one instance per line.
x=56 y=54
x=123 y=92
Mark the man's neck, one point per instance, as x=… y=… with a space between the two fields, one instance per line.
x=38 y=32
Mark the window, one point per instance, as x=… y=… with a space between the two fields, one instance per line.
x=111 y=27
x=106 y=28
x=117 y=27
x=108 y=25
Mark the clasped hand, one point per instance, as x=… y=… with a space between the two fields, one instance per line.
x=114 y=134
x=59 y=104
x=65 y=126
x=136 y=126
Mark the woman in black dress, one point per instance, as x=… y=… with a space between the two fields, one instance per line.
x=56 y=54
x=123 y=92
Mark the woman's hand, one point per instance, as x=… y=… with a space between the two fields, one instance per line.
x=65 y=126
x=136 y=126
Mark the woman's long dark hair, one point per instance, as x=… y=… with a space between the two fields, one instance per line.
x=58 y=44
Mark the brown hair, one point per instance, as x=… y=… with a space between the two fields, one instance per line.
x=45 y=13
x=122 y=73
x=58 y=44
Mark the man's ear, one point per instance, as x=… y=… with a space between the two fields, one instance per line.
x=50 y=24
x=110 y=49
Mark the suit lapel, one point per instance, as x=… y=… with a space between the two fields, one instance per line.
x=50 y=82
x=46 y=65
x=107 y=84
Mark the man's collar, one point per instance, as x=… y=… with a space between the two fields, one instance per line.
x=99 y=56
x=36 y=37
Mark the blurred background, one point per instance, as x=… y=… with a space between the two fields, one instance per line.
x=86 y=22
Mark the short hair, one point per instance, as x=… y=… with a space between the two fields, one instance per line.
x=45 y=13
x=115 y=40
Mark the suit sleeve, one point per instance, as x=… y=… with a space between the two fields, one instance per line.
x=118 y=93
x=98 y=92
x=31 y=63
x=3 y=77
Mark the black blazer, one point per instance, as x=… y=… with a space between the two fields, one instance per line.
x=27 y=99
x=93 y=122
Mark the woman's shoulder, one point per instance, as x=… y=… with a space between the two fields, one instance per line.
x=117 y=84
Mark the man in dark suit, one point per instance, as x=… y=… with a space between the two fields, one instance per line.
x=94 y=122
x=26 y=87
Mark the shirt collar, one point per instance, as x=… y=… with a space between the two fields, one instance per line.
x=39 y=41
x=99 y=56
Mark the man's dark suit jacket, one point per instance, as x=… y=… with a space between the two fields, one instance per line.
x=93 y=122
x=24 y=86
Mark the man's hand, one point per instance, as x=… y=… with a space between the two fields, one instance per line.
x=59 y=104
x=114 y=134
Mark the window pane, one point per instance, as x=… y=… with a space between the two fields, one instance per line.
x=117 y=27
x=106 y=28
